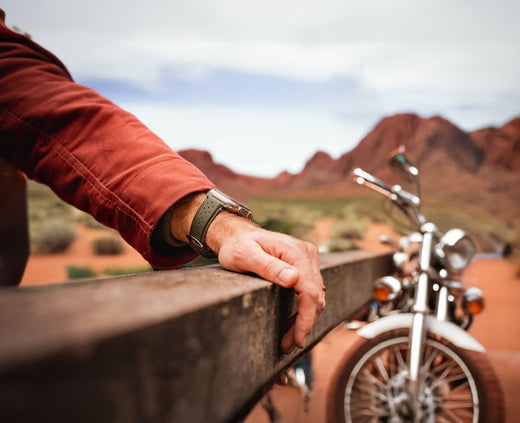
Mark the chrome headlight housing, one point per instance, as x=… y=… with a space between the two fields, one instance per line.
x=455 y=250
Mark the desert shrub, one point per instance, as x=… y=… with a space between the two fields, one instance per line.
x=79 y=272
x=351 y=229
x=352 y=233
x=278 y=225
x=107 y=246
x=341 y=244
x=126 y=270
x=89 y=221
x=43 y=204
x=53 y=236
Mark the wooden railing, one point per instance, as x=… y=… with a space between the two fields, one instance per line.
x=190 y=345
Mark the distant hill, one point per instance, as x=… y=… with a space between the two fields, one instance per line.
x=501 y=146
x=480 y=169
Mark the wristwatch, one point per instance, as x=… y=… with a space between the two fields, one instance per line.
x=215 y=202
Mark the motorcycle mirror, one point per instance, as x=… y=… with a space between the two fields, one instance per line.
x=402 y=165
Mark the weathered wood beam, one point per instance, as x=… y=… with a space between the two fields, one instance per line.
x=191 y=345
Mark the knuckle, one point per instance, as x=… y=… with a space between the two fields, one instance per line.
x=240 y=259
x=322 y=304
x=269 y=267
x=310 y=249
x=238 y=255
x=307 y=320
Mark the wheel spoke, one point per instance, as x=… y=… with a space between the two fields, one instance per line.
x=401 y=364
x=464 y=385
x=369 y=378
x=439 y=363
x=444 y=380
x=368 y=394
x=452 y=417
x=428 y=362
x=446 y=368
x=368 y=409
x=455 y=405
x=381 y=368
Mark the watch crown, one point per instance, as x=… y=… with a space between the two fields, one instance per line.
x=245 y=212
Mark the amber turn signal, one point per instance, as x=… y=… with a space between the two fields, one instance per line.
x=475 y=307
x=474 y=300
x=381 y=293
x=386 y=288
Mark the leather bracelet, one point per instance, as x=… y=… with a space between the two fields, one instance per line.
x=201 y=222
x=212 y=205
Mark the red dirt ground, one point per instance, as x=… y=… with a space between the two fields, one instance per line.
x=497 y=328
x=42 y=269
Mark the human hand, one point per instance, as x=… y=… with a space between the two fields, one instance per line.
x=278 y=258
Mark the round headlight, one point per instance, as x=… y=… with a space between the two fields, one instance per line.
x=455 y=249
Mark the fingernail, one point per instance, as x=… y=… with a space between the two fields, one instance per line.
x=287 y=275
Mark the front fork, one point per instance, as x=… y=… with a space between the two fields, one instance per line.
x=418 y=330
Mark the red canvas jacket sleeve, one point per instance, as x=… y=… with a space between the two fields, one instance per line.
x=93 y=154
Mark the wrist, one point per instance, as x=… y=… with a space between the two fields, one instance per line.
x=183 y=213
x=207 y=220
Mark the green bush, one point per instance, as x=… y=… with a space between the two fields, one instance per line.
x=89 y=221
x=78 y=272
x=126 y=270
x=53 y=236
x=107 y=246
x=341 y=244
x=278 y=225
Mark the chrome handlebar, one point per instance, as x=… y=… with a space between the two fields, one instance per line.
x=406 y=201
x=365 y=178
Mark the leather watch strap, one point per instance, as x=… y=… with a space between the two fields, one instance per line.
x=205 y=215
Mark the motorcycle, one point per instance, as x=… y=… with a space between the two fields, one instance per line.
x=414 y=360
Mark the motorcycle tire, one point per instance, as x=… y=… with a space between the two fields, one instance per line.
x=369 y=384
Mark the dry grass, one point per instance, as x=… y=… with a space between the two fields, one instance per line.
x=298 y=215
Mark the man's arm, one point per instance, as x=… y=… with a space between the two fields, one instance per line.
x=93 y=154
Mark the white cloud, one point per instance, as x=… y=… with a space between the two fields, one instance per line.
x=457 y=58
x=301 y=39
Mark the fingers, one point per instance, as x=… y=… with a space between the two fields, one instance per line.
x=308 y=311
x=287 y=345
x=307 y=314
x=287 y=262
x=251 y=256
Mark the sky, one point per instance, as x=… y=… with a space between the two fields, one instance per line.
x=264 y=85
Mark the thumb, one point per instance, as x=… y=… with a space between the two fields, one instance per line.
x=265 y=265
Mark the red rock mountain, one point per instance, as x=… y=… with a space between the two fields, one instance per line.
x=480 y=167
x=235 y=184
x=501 y=146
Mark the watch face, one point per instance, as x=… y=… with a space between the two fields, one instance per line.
x=231 y=205
x=220 y=196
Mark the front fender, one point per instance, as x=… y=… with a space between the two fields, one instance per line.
x=446 y=330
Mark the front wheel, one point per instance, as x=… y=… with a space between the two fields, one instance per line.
x=370 y=384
